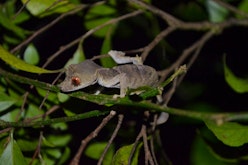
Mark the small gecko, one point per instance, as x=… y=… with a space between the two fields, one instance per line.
x=126 y=76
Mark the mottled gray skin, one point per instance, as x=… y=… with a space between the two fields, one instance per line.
x=123 y=76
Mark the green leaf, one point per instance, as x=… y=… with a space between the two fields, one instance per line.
x=239 y=85
x=146 y=92
x=27 y=145
x=12 y=154
x=33 y=110
x=11 y=39
x=3 y=142
x=69 y=113
x=53 y=153
x=31 y=55
x=230 y=133
x=106 y=47
x=60 y=126
x=8 y=24
x=77 y=57
x=217 y=13
x=62 y=97
x=122 y=155
x=53 y=97
x=65 y=156
x=59 y=140
x=6 y=101
x=11 y=115
x=201 y=154
x=47 y=7
x=98 y=15
x=243 y=6
x=21 y=17
x=47 y=143
x=95 y=151
x=21 y=65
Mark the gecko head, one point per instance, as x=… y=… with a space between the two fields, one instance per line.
x=78 y=76
x=75 y=82
x=71 y=83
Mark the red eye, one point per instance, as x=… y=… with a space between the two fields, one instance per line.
x=75 y=81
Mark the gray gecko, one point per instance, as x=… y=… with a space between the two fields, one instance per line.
x=127 y=76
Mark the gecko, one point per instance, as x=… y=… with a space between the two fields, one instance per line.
x=124 y=77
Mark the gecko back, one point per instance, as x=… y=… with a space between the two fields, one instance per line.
x=138 y=75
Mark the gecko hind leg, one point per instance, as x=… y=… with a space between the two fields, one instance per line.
x=120 y=58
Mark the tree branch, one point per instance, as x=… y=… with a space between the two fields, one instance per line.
x=102 y=99
x=94 y=113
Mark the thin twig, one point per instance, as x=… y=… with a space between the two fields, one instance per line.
x=25 y=97
x=51 y=110
x=20 y=10
x=53 y=5
x=167 y=96
x=185 y=55
x=148 y=156
x=134 y=50
x=48 y=91
x=156 y=40
x=5 y=130
x=37 y=150
x=100 y=56
x=120 y=119
x=84 y=142
x=197 y=52
x=134 y=147
x=153 y=150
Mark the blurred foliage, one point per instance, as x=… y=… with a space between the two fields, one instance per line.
x=211 y=85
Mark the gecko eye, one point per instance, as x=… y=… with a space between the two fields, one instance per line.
x=75 y=81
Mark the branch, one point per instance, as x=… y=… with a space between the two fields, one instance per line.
x=94 y=113
x=102 y=99
x=172 y=21
x=200 y=26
